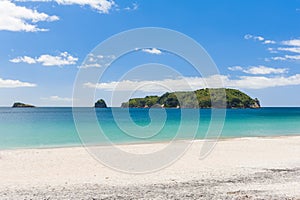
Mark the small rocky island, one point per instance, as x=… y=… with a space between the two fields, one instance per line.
x=22 y=105
x=100 y=104
x=202 y=98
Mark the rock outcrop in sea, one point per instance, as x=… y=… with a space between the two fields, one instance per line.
x=22 y=105
x=100 y=104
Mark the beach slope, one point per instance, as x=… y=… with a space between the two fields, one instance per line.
x=241 y=168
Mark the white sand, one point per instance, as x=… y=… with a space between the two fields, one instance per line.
x=239 y=168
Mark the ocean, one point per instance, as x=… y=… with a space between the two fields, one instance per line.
x=55 y=127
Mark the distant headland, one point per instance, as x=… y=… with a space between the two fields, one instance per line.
x=202 y=98
x=22 y=105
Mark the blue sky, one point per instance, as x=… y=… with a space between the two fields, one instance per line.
x=43 y=43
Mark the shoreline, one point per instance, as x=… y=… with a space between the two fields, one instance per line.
x=150 y=142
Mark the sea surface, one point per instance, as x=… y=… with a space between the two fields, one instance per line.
x=56 y=127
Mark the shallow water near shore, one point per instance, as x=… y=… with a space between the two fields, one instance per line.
x=55 y=127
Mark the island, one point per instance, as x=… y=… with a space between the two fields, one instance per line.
x=22 y=105
x=100 y=104
x=201 y=98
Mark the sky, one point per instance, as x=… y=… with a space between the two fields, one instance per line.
x=44 y=44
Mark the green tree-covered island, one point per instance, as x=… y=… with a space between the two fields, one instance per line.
x=202 y=98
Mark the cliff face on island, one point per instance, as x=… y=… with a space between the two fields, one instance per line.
x=196 y=99
x=22 y=105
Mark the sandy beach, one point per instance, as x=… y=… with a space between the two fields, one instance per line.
x=240 y=168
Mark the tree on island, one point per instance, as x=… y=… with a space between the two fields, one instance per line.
x=100 y=104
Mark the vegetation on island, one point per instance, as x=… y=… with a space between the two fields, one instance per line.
x=100 y=104
x=22 y=105
x=203 y=98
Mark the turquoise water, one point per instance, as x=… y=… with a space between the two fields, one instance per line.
x=55 y=127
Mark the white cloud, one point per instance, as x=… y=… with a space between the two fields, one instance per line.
x=7 y=83
x=33 y=0
x=287 y=57
x=277 y=58
x=19 y=18
x=97 y=61
x=152 y=51
x=260 y=82
x=293 y=57
x=249 y=36
x=85 y=66
x=272 y=50
x=57 y=98
x=244 y=82
x=259 y=38
x=48 y=60
x=265 y=70
x=290 y=49
x=259 y=70
x=294 y=42
x=102 y=6
x=287 y=46
x=290 y=46
x=134 y=6
x=235 y=68
x=189 y=83
x=25 y=59
x=269 y=42
x=63 y=59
